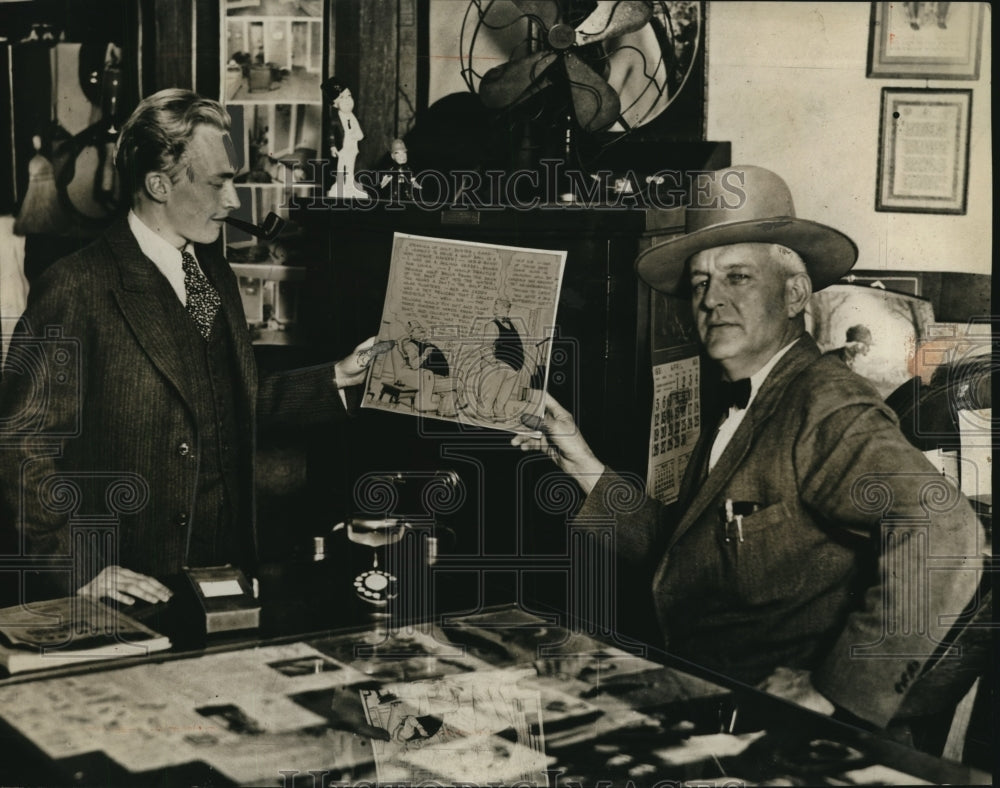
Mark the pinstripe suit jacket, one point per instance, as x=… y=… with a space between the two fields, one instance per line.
x=855 y=558
x=98 y=427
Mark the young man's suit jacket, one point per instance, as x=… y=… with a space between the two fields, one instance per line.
x=97 y=413
x=857 y=552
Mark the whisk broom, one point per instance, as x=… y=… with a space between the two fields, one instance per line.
x=41 y=211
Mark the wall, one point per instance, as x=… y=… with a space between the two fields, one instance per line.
x=787 y=85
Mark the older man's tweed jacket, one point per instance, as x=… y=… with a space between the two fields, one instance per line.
x=857 y=554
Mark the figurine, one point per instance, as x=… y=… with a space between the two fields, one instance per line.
x=345 y=134
x=398 y=182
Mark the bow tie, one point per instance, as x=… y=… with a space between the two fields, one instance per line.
x=735 y=394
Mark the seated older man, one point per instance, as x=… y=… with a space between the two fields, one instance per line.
x=799 y=555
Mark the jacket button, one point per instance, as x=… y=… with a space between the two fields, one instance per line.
x=899 y=687
x=912 y=667
x=184 y=450
x=181 y=518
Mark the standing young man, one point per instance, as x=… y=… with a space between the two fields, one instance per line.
x=130 y=395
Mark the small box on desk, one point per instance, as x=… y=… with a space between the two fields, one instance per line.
x=217 y=599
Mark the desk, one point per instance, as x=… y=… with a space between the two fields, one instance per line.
x=395 y=392
x=501 y=696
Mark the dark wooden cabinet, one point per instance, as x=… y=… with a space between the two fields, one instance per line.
x=512 y=519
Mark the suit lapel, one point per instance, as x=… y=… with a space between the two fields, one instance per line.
x=719 y=476
x=144 y=298
x=803 y=353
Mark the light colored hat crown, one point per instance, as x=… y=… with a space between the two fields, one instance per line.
x=746 y=204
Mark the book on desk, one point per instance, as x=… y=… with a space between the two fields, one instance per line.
x=70 y=630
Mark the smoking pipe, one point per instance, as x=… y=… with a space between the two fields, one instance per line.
x=269 y=230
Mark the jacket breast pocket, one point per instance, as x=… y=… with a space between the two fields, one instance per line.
x=765 y=559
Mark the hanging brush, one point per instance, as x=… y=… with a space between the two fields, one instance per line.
x=41 y=211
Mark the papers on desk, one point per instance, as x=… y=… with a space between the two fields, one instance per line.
x=230 y=710
x=68 y=631
x=715 y=745
x=477 y=728
x=493 y=725
x=882 y=775
x=431 y=715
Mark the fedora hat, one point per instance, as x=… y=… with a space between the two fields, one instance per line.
x=746 y=204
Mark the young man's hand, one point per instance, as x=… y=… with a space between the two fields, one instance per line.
x=125 y=586
x=351 y=370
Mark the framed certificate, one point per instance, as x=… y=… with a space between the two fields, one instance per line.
x=924 y=151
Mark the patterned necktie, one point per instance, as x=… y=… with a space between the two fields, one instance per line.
x=202 y=299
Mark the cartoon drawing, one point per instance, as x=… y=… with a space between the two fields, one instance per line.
x=472 y=326
x=418 y=374
x=501 y=362
x=481 y=726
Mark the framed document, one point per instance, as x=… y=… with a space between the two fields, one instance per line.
x=923 y=151
x=925 y=40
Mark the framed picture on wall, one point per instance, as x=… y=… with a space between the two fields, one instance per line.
x=923 y=151
x=925 y=40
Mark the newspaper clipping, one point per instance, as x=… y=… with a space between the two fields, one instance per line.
x=471 y=326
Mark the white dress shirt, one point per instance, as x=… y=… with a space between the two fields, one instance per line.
x=165 y=257
x=736 y=415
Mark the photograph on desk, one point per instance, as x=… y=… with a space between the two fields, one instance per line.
x=481 y=727
x=472 y=326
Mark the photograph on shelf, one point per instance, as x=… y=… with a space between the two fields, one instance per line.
x=925 y=40
x=276 y=142
x=270 y=295
x=271 y=58
x=923 y=164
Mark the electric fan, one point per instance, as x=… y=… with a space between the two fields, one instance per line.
x=598 y=67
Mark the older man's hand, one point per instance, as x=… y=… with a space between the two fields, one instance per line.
x=796 y=685
x=557 y=435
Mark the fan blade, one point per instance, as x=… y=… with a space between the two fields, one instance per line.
x=595 y=102
x=503 y=85
x=545 y=12
x=613 y=18
x=638 y=74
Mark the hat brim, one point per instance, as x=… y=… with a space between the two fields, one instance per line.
x=827 y=253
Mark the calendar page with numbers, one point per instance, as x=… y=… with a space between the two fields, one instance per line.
x=674 y=427
x=675 y=419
